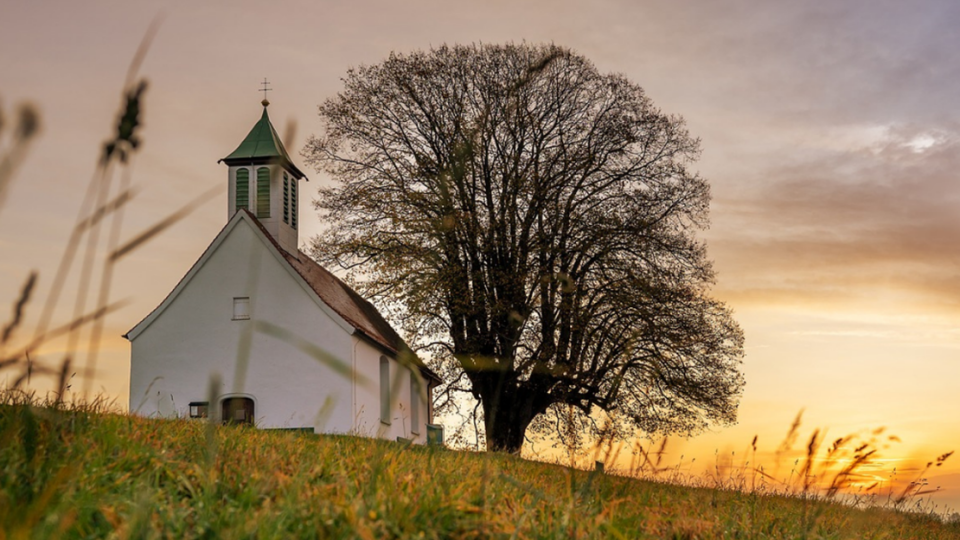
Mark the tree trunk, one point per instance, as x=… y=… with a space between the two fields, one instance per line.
x=507 y=414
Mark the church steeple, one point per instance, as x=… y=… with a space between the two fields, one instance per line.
x=263 y=179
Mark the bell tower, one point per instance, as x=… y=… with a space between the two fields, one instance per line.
x=264 y=180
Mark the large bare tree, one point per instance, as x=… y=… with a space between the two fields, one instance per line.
x=532 y=221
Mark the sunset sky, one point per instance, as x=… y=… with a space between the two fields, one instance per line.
x=830 y=134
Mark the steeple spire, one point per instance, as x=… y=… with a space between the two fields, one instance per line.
x=263 y=145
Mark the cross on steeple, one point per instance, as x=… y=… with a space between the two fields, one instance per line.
x=265 y=89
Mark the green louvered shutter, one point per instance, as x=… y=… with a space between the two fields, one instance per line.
x=243 y=189
x=263 y=192
x=286 y=199
x=293 y=206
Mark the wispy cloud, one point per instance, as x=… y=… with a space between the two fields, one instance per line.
x=850 y=217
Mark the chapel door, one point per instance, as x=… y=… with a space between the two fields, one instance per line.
x=238 y=410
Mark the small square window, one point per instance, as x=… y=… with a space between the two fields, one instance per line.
x=198 y=409
x=241 y=308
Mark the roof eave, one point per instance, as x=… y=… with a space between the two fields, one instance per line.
x=427 y=372
x=265 y=160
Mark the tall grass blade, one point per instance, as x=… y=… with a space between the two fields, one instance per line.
x=318 y=353
x=165 y=223
x=18 y=308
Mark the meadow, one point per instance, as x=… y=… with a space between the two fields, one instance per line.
x=86 y=470
x=82 y=471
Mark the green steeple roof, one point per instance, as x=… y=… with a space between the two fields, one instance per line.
x=262 y=145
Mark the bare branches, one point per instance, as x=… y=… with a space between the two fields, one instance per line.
x=537 y=217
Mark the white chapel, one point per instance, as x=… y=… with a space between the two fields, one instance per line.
x=257 y=332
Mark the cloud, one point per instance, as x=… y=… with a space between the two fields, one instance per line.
x=845 y=62
x=844 y=220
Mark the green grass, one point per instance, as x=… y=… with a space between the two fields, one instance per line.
x=79 y=472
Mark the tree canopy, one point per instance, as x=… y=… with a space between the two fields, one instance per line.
x=531 y=222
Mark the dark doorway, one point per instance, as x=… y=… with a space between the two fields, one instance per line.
x=237 y=410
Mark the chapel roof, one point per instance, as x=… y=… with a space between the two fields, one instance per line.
x=263 y=145
x=346 y=302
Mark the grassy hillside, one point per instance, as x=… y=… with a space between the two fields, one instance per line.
x=78 y=473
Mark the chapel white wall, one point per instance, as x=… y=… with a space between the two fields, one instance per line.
x=173 y=359
x=367 y=397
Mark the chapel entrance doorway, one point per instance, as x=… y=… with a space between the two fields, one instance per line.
x=238 y=410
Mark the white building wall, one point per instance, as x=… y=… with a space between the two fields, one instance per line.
x=174 y=357
x=368 y=394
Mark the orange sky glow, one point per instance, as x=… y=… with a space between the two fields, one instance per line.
x=830 y=137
